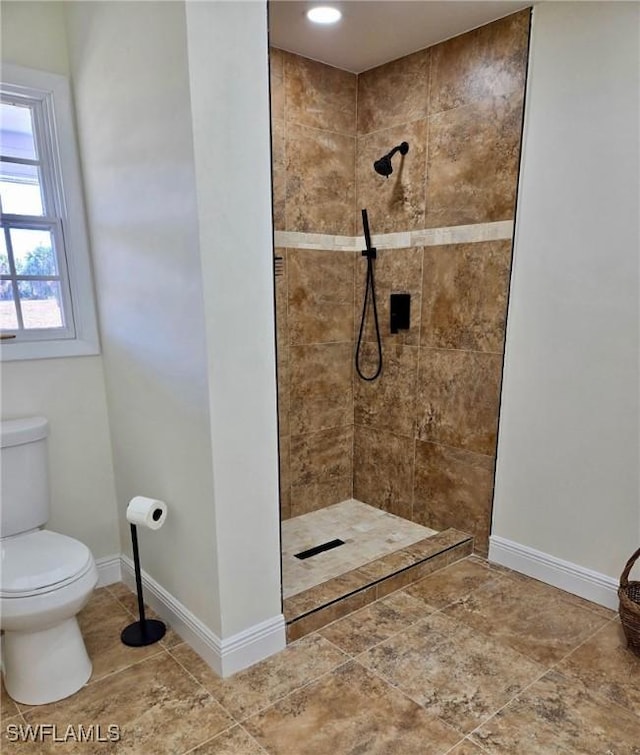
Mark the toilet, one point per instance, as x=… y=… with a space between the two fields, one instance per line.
x=45 y=578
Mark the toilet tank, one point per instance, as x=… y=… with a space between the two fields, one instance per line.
x=24 y=475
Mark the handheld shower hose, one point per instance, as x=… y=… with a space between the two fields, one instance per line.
x=370 y=287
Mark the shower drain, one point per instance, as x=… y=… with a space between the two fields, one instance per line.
x=319 y=549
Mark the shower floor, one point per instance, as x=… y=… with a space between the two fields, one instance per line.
x=368 y=534
x=380 y=553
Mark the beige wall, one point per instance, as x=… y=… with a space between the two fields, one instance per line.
x=567 y=473
x=33 y=35
x=130 y=77
x=228 y=74
x=185 y=293
x=425 y=431
x=69 y=392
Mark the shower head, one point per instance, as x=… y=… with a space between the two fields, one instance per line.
x=383 y=165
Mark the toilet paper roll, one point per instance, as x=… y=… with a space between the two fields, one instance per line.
x=147 y=512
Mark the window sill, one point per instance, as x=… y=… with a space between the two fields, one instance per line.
x=76 y=347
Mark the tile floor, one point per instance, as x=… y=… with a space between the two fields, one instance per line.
x=368 y=533
x=472 y=659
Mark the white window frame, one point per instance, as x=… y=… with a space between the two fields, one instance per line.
x=54 y=123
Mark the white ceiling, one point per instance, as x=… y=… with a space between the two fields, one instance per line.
x=374 y=32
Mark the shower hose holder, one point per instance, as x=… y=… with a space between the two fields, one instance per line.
x=145 y=631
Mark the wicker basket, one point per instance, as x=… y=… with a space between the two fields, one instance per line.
x=629 y=594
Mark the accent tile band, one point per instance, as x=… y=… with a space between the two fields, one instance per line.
x=457 y=234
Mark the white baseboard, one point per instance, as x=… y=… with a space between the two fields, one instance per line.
x=109 y=570
x=572 y=578
x=225 y=656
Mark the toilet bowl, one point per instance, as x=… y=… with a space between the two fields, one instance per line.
x=46 y=578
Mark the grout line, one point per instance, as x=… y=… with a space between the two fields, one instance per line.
x=240 y=720
x=484 y=721
x=6 y=720
x=407 y=122
x=300 y=124
x=211 y=739
x=291 y=692
x=200 y=684
x=547 y=669
x=391 y=684
x=406 y=346
x=219 y=734
x=160 y=651
x=30 y=708
x=410 y=625
x=434 y=610
x=514 y=576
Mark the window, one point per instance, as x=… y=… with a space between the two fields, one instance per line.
x=46 y=297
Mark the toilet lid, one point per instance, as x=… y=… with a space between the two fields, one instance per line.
x=39 y=560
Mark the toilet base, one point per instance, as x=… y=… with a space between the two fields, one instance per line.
x=42 y=667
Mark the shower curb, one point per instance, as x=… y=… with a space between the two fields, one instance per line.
x=318 y=606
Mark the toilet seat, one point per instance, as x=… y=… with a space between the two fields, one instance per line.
x=41 y=561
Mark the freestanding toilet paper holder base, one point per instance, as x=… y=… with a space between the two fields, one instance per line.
x=145 y=631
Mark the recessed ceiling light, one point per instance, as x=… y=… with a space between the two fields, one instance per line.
x=323 y=14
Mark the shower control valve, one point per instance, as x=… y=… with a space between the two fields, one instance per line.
x=400 y=312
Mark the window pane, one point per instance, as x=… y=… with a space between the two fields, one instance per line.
x=16 y=132
x=4 y=257
x=41 y=304
x=8 y=317
x=20 y=189
x=33 y=252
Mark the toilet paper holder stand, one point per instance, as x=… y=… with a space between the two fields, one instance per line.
x=145 y=631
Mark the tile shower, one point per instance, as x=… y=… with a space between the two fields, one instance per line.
x=420 y=441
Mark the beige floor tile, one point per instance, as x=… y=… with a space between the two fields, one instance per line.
x=261 y=685
x=235 y=741
x=607 y=667
x=575 y=600
x=529 y=617
x=454 y=672
x=157 y=705
x=451 y=583
x=7 y=706
x=12 y=745
x=101 y=623
x=129 y=600
x=375 y=623
x=350 y=711
x=556 y=715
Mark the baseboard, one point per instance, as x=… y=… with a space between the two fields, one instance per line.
x=109 y=570
x=225 y=656
x=572 y=578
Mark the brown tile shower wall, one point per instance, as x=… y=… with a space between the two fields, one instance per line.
x=314 y=315
x=420 y=441
x=459 y=105
x=425 y=432
x=313 y=114
x=314 y=146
